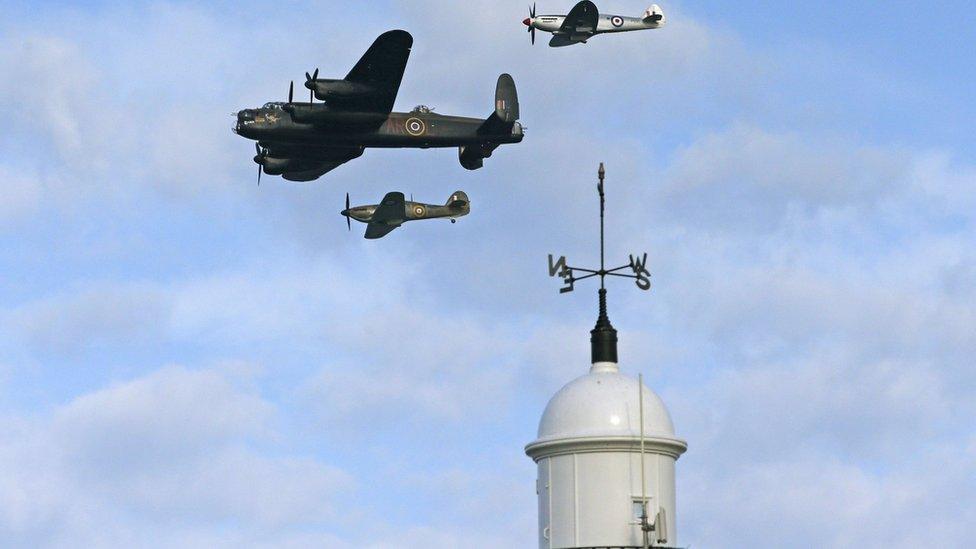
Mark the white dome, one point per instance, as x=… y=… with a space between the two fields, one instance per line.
x=603 y=403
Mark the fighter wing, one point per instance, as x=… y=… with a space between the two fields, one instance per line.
x=381 y=68
x=388 y=216
x=391 y=209
x=379 y=230
x=582 y=19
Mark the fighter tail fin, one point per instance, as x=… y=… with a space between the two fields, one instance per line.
x=654 y=14
x=458 y=200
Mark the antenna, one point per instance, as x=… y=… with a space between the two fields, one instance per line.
x=645 y=527
x=604 y=337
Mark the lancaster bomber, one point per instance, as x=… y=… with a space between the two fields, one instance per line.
x=585 y=21
x=394 y=211
x=304 y=141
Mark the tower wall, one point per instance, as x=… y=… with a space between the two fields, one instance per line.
x=589 y=498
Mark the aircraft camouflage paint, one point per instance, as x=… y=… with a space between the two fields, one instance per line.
x=303 y=141
x=585 y=21
x=394 y=211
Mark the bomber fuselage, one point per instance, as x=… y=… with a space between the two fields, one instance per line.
x=316 y=124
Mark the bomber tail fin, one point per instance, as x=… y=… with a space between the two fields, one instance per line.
x=506 y=107
x=501 y=124
x=506 y=99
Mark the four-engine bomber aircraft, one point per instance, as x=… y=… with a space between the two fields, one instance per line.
x=303 y=141
x=394 y=211
x=585 y=21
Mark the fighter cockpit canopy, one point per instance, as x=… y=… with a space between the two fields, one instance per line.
x=422 y=109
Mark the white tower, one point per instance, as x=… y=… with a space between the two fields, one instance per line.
x=599 y=459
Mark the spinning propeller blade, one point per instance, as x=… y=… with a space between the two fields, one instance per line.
x=530 y=21
x=258 y=159
x=310 y=84
x=348 y=220
x=291 y=91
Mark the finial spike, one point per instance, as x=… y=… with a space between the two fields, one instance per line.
x=603 y=337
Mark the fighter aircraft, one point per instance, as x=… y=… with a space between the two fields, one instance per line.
x=303 y=141
x=394 y=211
x=584 y=21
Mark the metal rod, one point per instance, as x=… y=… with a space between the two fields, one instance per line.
x=640 y=399
x=601 y=174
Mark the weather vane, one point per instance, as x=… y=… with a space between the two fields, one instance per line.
x=603 y=340
x=638 y=265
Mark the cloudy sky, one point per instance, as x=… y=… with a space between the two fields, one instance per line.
x=190 y=360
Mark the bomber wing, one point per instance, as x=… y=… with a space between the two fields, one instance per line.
x=321 y=159
x=313 y=174
x=382 y=68
x=582 y=20
x=388 y=216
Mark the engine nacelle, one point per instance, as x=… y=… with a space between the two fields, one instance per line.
x=279 y=166
x=339 y=89
x=472 y=157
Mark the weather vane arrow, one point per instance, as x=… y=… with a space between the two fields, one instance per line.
x=572 y=275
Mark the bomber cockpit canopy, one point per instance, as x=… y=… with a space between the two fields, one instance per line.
x=274 y=105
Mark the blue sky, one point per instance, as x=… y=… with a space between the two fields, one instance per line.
x=187 y=359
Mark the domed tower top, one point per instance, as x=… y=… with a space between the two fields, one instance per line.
x=603 y=403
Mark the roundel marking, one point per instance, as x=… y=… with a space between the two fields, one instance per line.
x=415 y=126
x=617 y=21
x=419 y=210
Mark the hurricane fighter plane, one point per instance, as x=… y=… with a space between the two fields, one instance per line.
x=584 y=21
x=303 y=141
x=394 y=211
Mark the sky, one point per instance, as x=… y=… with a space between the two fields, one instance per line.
x=190 y=360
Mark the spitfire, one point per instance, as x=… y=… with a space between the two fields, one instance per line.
x=304 y=141
x=584 y=21
x=394 y=211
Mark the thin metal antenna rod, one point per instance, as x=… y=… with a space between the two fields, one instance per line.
x=645 y=528
x=603 y=269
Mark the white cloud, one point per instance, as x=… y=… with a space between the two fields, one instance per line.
x=47 y=78
x=98 y=315
x=22 y=195
x=170 y=454
x=834 y=503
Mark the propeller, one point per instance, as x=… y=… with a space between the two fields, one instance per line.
x=259 y=159
x=291 y=92
x=529 y=22
x=348 y=220
x=310 y=84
